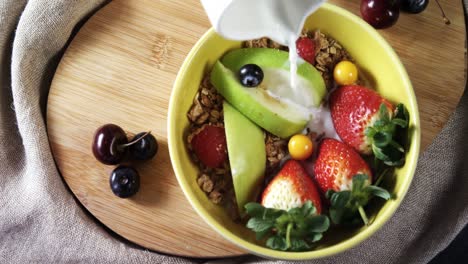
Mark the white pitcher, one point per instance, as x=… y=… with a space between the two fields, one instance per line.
x=250 y=19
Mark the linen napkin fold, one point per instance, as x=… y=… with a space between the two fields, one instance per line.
x=40 y=222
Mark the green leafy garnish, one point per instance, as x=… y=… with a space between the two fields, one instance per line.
x=382 y=135
x=293 y=230
x=345 y=205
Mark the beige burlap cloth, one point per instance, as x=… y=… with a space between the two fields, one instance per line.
x=41 y=222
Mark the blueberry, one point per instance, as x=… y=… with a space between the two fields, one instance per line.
x=145 y=148
x=124 y=181
x=414 y=6
x=250 y=75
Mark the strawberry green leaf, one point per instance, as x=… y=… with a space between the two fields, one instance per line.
x=261 y=234
x=402 y=113
x=254 y=209
x=329 y=194
x=298 y=244
x=336 y=215
x=370 y=131
x=394 y=157
x=359 y=180
x=318 y=223
x=283 y=221
x=397 y=146
x=308 y=209
x=383 y=112
x=300 y=228
x=385 y=137
x=277 y=242
x=379 y=154
x=258 y=224
x=257 y=210
x=340 y=199
x=379 y=124
x=316 y=237
x=397 y=163
x=287 y=230
x=346 y=205
x=400 y=122
x=382 y=138
x=378 y=191
x=295 y=212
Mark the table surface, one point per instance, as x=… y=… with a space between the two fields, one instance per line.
x=120 y=69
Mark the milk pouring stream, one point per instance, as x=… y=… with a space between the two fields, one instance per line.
x=279 y=20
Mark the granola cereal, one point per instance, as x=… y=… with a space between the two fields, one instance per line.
x=206 y=109
x=328 y=53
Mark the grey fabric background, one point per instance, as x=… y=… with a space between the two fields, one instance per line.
x=40 y=222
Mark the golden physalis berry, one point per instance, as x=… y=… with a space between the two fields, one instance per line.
x=345 y=73
x=300 y=147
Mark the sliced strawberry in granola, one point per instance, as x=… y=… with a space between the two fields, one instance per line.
x=209 y=144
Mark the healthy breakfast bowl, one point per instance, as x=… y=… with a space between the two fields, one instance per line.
x=208 y=104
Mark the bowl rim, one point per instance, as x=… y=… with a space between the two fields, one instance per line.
x=319 y=253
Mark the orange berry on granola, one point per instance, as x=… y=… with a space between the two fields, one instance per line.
x=300 y=147
x=345 y=73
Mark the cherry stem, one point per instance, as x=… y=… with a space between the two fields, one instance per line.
x=363 y=215
x=112 y=147
x=135 y=141
x=446 y=20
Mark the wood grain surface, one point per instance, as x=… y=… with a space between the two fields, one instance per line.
x=120 y=69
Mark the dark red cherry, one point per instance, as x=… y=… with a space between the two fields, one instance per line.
x=380 y=13
x=108 y=144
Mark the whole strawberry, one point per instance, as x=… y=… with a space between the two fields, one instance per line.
x=366 y=121
x=345 y=178
x=289 y=214
x=305 y=47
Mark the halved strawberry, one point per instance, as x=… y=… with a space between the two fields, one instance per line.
x=346 y=180
x=366 y=121
x=290 y=211
x=305 y=48
x=291 y=188
x=209 y=144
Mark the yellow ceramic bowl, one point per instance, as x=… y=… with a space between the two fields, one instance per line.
x=374 y=56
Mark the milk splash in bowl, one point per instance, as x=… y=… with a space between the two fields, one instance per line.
x=281 y=21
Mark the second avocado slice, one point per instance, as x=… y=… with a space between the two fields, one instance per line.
x=247 y=155
x=273 y=105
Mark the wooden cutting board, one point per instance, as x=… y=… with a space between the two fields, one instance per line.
x=120 y=69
